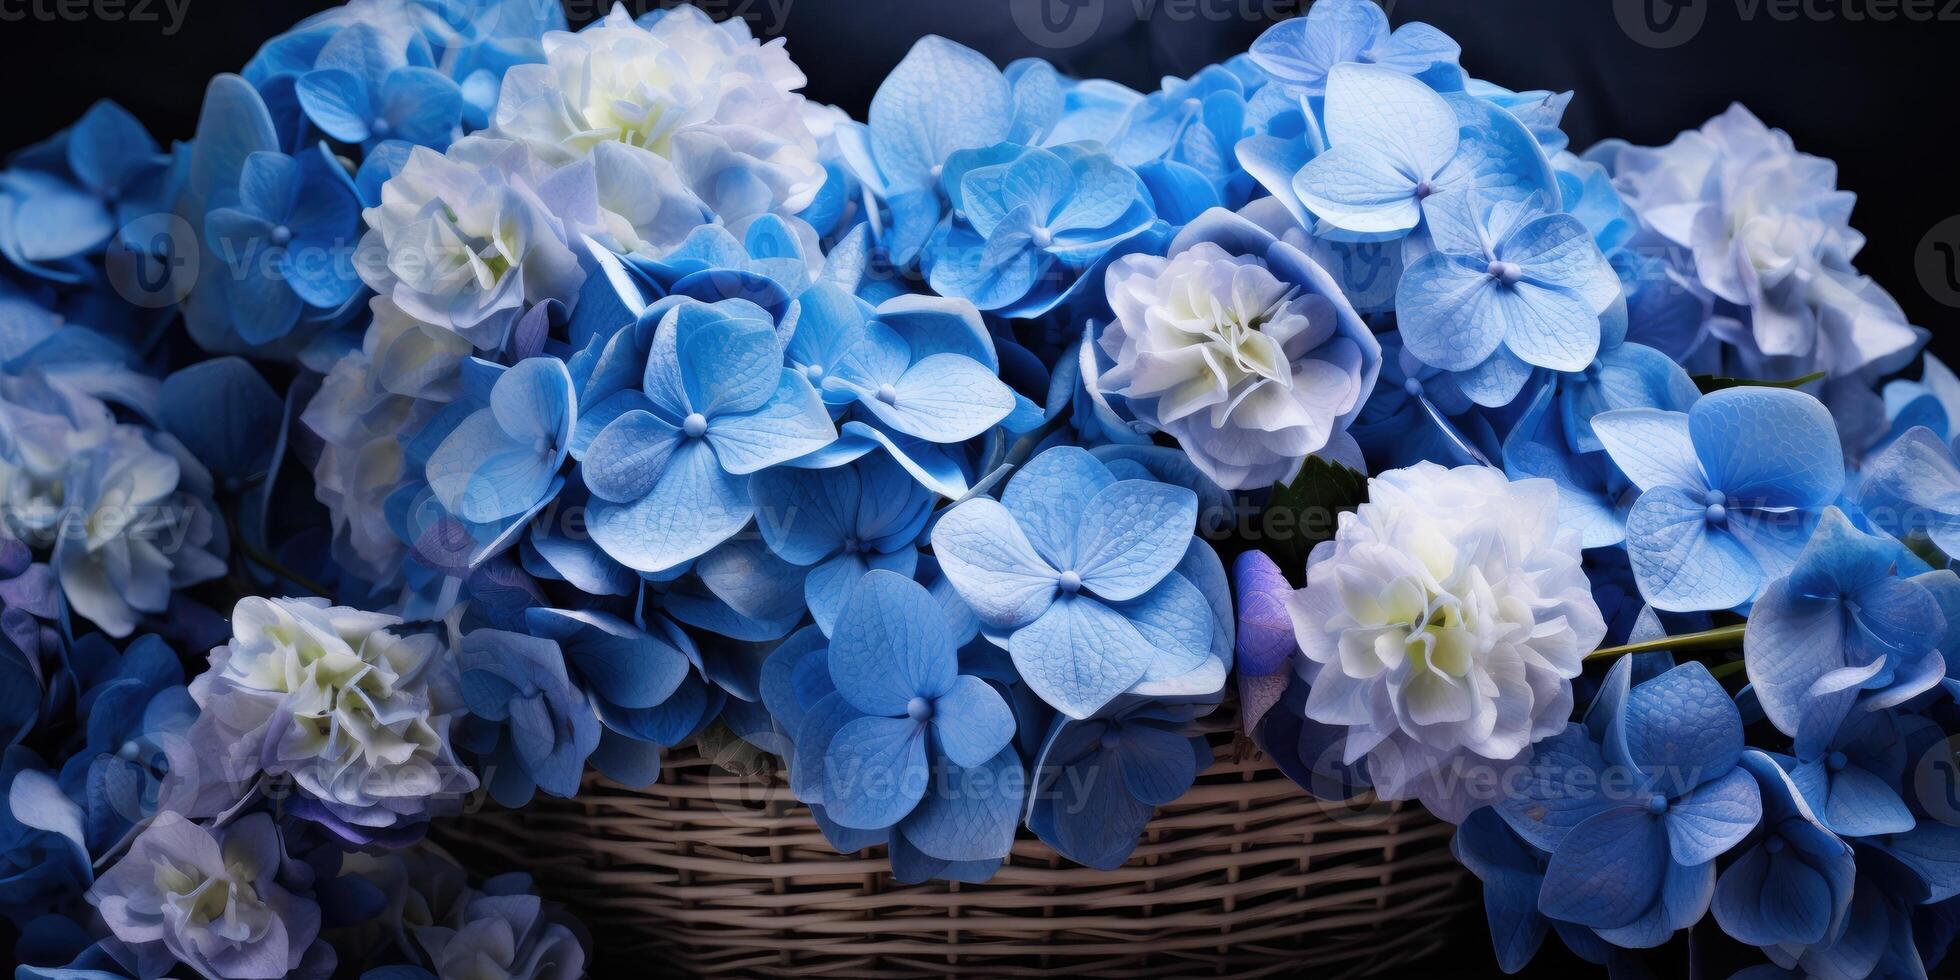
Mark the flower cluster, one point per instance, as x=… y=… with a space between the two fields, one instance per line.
x=520 y=403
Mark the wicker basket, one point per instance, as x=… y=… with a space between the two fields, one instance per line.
x=713 y=873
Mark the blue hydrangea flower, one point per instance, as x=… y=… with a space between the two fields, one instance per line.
x=716 y=403
x=224 y=902
x=288 y=241
x=530 y=727
x=917 y=377
x=1513 y=873
x=502 y=927
x=63 y=200
x=914 y=128
x=1730 y=490
x=503 y=459
x=1508 y=287
x=1554 y=437
x=903 y=721
x=1855 y=782
x=1933 y=401
x=1850 y=626
x=1074 y=571
x=1913 y=487
x=360 y=91
x=643 y=688
x=1636 y=804
x=1393 y=143
x=1181 y=139
x=1299 y=53
x=132 y=720
x=1791 y=888
x=1418 y=413
x=1099 y=781
x=1029 y=223
x=841 y=523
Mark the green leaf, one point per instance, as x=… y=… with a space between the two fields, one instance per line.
x=1715 y=382
x=1307 y=511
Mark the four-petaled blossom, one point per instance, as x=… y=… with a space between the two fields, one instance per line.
x=1298 y=53
x=1850 y=626
x=1791 y=888
x=1240 y=346
x=1394 y=143
x=1028 y=222
x=362 y=92
x=641 y=686
x=530 y=726
x=716 y=404
x=1074 y=571
x=1636 y=804
x=1729 y=491
x=503 y=458
x=1443 y=625
x=903 y=721
x=1100 y=781
x=841 y=523
x=916 y=376
x=1507 y=288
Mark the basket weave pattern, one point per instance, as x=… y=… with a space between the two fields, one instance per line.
x=718 y=874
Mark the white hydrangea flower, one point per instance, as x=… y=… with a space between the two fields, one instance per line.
x=1249 y=371
x=123 y=512
x=357 y=714
x=369 y=402
x=1442 y=627
x=463 y=241
x=1770 y=232
x=709 y=98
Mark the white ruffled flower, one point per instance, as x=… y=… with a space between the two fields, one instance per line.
x=1250 y=372
x=124 y=512
x=462 y=240
x=404 y=372
x=1770 y=232
x=355 y=713
x=709 y=98
x=1442 y=627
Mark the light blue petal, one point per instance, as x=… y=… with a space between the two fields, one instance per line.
x=1132 y=534
x=940 y=98
x=693 y=506
x=627 y=458
x=971 y=722
x=944 y=398
x=1452 y=314
x=1550 y=328
x=1049 y=495
x=1176 y=620
x=534 y=398
x=1680 y=561
x=1791 y=641
x=480 y=475
x=1558 y=790
x=1652 y=447
x=1768 y=447
x=983 y=552
x=891 y=645
x=805 y=515
x=1079 y=655
x=875 y=771
x=1360 y=190
x=792 y=423
x=728 y=365
x=338 y=102
x=1392 y=113
x=1679 y=728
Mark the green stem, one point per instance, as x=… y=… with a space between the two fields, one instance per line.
x=1730 y=669
x=1718 y=638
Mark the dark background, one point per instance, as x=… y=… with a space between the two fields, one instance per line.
x=1868 y=83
